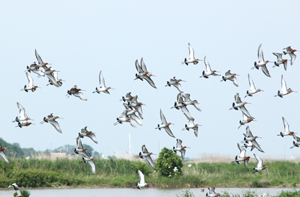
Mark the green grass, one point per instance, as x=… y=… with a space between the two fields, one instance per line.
x=122 y=173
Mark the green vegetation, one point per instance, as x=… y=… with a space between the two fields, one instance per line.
x=25 y=193
x=254 y=194
x=186 y=193
x=168 y=163
x=123 y=173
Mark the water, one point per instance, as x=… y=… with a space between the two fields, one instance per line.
x=144 y=192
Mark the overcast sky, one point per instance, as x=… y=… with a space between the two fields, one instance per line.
x=80 y=38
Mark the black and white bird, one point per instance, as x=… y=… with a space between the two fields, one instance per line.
x=147 y=156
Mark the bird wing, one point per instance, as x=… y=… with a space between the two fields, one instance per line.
x=168 y=130
x=296 y=138
x=293 y=58
x=283 y=84
x=235 y=82
x=196 y=105
x=248 y=132
x=228 y=73
x=142 y=177
x=251 y=83
x=55 y=124
x=278 y=55
x=254 y=142
x=80 y=95
x=245 y=111
x=4 y=156
x=208 y=69
x=191 y=52
x=187 y=97
x=186 y=112
x=143 y=65
x=30 y=80
x=150 y=162
x=196 y=131
x=237 y=98
x=259 y=161
x=179 y=98
x=163 y=118
x=79 y=143
x=260 y=54
x=144 y=149
x=93 y=137
x=265 y=70
x=286 y=125
x=38 y=57
x=52 y=79
x=138 y=67
x=149 y=80
x=22 y=114
x=136 y=119
x=182 y=153
x=101 y=79
x=93 y=167
x=242 y=151
x=178 y=86
x=179 y=142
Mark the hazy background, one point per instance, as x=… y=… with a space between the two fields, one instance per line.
x=80 y=38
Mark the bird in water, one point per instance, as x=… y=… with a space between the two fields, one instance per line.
x=212 y=193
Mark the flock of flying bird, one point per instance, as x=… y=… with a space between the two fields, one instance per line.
x=133 y=112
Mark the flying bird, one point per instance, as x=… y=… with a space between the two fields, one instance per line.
x=192 y=125
x=242 y=156
x=85 y=133
x=287 y=131
x=230 y=76
x=165 y=125
x=124 y=118
x=291 y=52
x=30 y=84
x=147 y=156
x=296 y=143
x=259 y=166
x=143 y=73
x=253 y=89
x=52 y=120
x=35 y=69
x=192 y=58
x=188 y=101
x=280 y=61
x=250 y=138
x=238 y=104
x=76 y=92
x=180 y=148
x=86 y=157
x=22 y=119
x=245 y=120
x=102 y=88
x=2 y=153
x=208 y=72
x=284 y=90
x=142 y=182
x=261 y=62
x=176 y=83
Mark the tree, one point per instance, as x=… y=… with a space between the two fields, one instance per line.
x=169 y=164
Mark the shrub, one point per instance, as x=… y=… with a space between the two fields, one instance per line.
x=144 y=168
x=186 y=193
x=25 y=193
x=168 y=162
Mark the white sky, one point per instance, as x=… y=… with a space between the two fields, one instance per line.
x=80 y=38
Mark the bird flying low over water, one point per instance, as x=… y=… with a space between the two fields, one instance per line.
x=291 y=52
x=175 y=82
x=85 y=133
x=231 y=77
x=250 y=138
x=253 y=89
x=208 y=72
x=102 y=88
x=142 y=182
x=86 y=157
x=2 y=153
x=165 y=125
x=280 y=61
x=143 y=73
x=259 y=166
x=284 y=90
x=287 y=131
x=52 y=120
x=261 y=62
x=15 y=186
x=242 y=156
x=147 y=156
x=30 y=84
x=180 y=148
x=76 y=92
x=192 y=58
x=212 y=193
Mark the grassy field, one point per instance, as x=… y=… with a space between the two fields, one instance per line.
x=120 y=173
